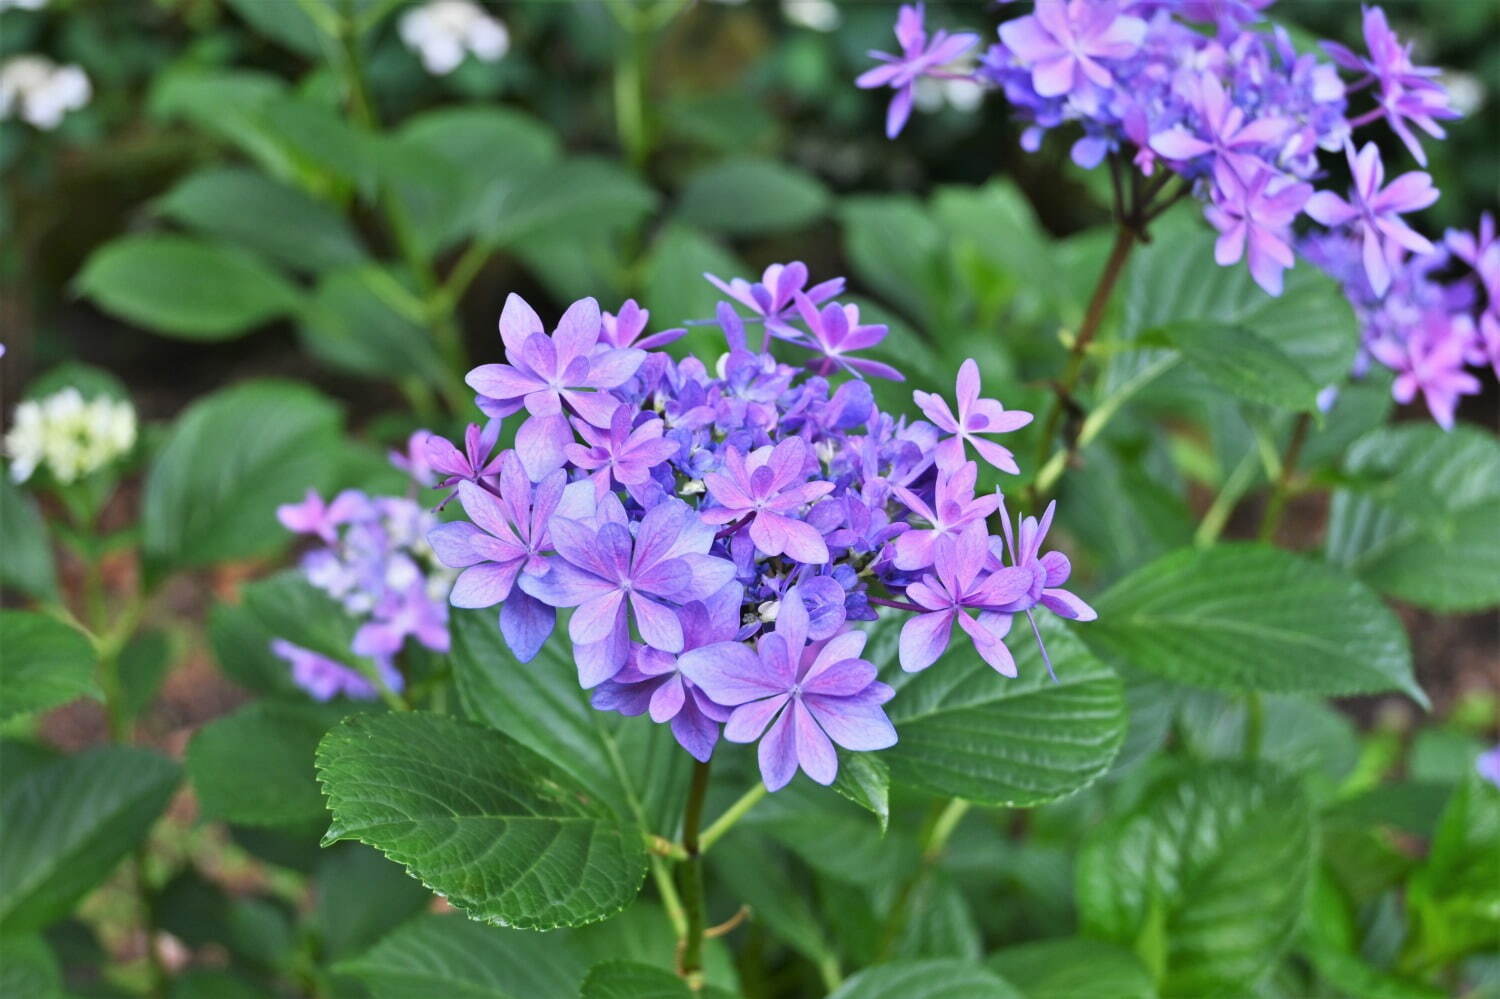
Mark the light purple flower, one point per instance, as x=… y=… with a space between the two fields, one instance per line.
x=550 y=376
x=651 y=681
x=953 y=508
x=1375 y=212
x=324 y=678
x=1064 y=42
x=1488 y=765
x=1254 y=211
x=975 y=416
x=763 y=489
x=1430 y=360
x=1225 y=132
x=956 y=584
x=773 y=297
x=469 y=465
x=624 y=329
x=623 y=453
x=811 y=696
x=413 y=461
x=407 y=612
x=919 y=57
x=834 y=332
x=313 y=516
x=1471 y=247
x=603 y=569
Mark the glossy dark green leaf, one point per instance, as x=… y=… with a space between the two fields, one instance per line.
x=749 y=196
x=966 y=731
x=185 y=287
x=865 y=779
x=67 y=824
x=45 y=663
x=1252 y=617
x=1209 y=876
x=231 y=459
x=629 y=980
x=496 y=829
x=1418 y=521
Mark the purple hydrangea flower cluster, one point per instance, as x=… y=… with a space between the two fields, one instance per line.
x=1213 y=94
x=376 y=562
x=719 y=531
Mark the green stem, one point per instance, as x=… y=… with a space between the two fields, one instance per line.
x=731 y=815
x=1212 y=524
x=630 y=84
x=690 y=962
x=1282 y=490
x=934 y=841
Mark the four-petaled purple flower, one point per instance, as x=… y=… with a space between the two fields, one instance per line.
x=1225 y=131
x=773 y=297
x=834 y=332
x=1375 y=212
x=812 y=696
x=313 y=516
x=1063 y=42
x=624 y=329
x=552 y=375
x=975 y=416
x=763 y=488
x=954 y=507
x=956 y=585
x=1253 y=212
x=1431 y=360
x=469 y=465
x=603 y=569
x=624 y=453
x=406 y=612
x=919 y=57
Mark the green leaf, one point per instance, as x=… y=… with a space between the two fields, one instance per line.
x=1221 y=856
x=45 y=663
x=202 y=983
x=1251 y=617
x=498 y=830
x=675 y=289
x=629 y=980
x=242 y=647
x=67 y=823
x=644 y=935
x=865 y=779
x=27 y=565
x=226 y=104
x=453 y=957
x=895 y=248
x=287 y=606
x=579 y=195
x=966 y=731
x=758 y=875
x=831 y=835
x=997 y=222
x=247 y=208
x=1241 y=361
x=1418 y=520
x=143 y=667
x=361 y=897
x=359 y=319
x=1454 y=898
x=28 y=969
x=232 y=458
x=1353 y=977
x=280 y=789
x=287 y=24
x=748 y=196
x=936 y=979
x=184 y=287
x=1073 y=968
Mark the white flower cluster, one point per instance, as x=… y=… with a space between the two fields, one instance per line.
x=71 y=437
x=38 y=90
x=442 y=32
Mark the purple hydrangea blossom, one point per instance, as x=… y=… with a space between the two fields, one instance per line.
x=624 y=330
x=920 y=56
x=313 y=516
x=1254 y=217
x=324 y=678
x=774 y=296
x=624 y=454
x=1066 y=45
x=976 y=416
x=469 y=465
x=956 y=585
x=762 y=490
x=1487 y=764
x=834 y=332
x=798 y=699
x=1430 y=360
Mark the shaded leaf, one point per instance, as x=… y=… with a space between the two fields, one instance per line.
x=934 y=979
x=750 y=196
x=44 y=663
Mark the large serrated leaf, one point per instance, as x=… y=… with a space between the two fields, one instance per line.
x=1251 y=617
x=1209 y=876
x=495 y=828
x=1243 y=362
x=43 y=663
x=935 y=979
x=1419 y=520
x=964 y=730
x=67 y=823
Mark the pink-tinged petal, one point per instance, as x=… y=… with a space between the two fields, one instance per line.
x=847 y=645
x=1409 y=192
x=1376 y=267
x=454 y=544
x=1053 y=77
x=539 y=445
x=501 y=381
x=517 y=322
x=989 y=645
x=935 y=408
x=1404 y=235
x=658 y=624
x=1178 y=144
x=793 y=623
x=1097 y=74
x=840 y=679
x=1266 y=269
x=1068 y=605
x=914 y=550
x=900 y=110
x=484 y=585
x=1120 y=39
x=695 y=732
x=526 y=623
x=859 y=726
x=778 y=752
x=610 y=368
x=879 y=76
x=966 y=386
x=814 y=752
x=667 y=700
x=998 y=456
x=1230 y=246
x=486 y=511
x=657 y=534
x=951 y=48
x=306 y=517
x=564 y=585
x=577 y=331
x=1026 y=34
x=749 y=720
x=598 y=618
x=1004 y=586
x=708 y=574
x=1330 y=209
x=729 y=672
x=578 y=543
x=923 y=639
x=597 y=408
x=949 y=454
x=799 y=541
x=926 y=592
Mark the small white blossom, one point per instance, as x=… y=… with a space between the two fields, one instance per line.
x=38 y=90
x=443 y=31
x=70 y=437
x=819 y=15
x=23 y=4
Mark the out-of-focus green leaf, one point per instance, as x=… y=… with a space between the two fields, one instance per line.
x=28 y=969
x=895 y=249
x=934 y=979
x=578 y=195
x=67 y=824
x=27 y=565
x=1243 y=362
x=247 y=208
x=231 y=459
x=184 y=287
x=1454 y=898
x=496 y=829
x=749 y=196
x=359 y=319
x=758 y=875
x=1419 y=519
x=675 y=289
x=361 y=897
x=280 y=789
x=1209 y=874
x=43 y=663
x=1251 y=617
x=143 y=667
x=1073 y=968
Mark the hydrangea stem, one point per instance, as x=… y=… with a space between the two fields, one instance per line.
x=731 y=815
x=690 y=959
x=1282 y=490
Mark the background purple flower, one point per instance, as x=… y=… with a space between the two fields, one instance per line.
x=919 y=57
x=325 y=679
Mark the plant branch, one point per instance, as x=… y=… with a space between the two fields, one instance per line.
x=731 y=815
x=690 y=956
x=1282 y=490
